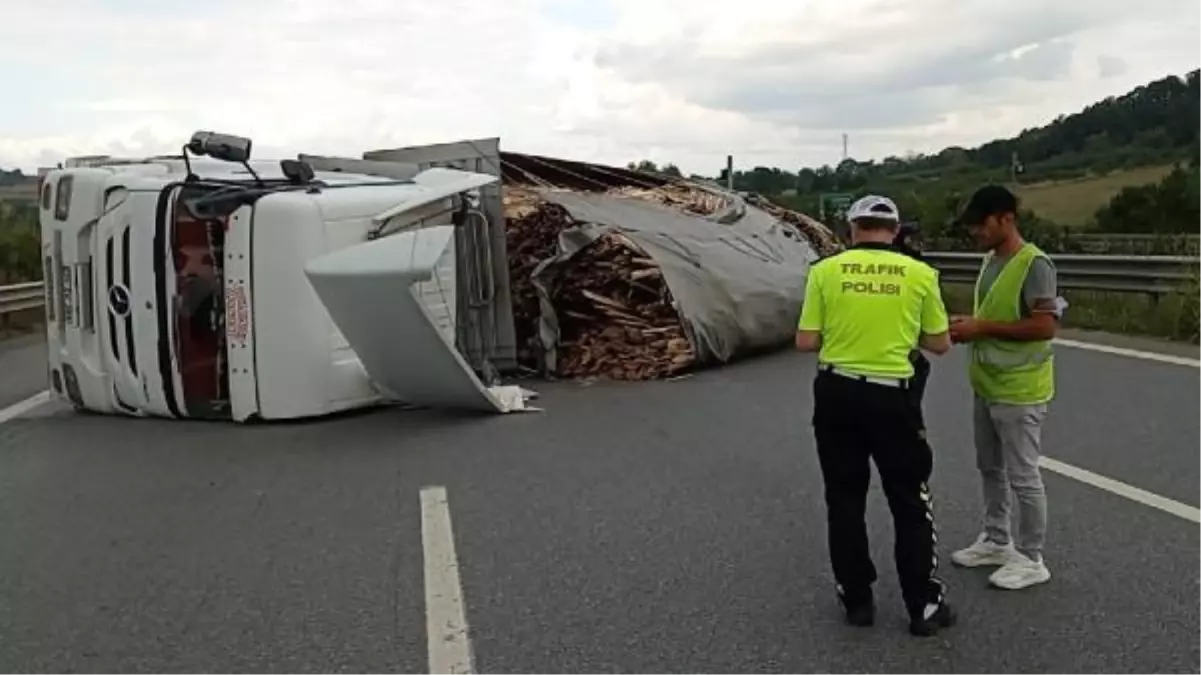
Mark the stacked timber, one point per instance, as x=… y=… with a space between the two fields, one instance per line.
x=615 y=313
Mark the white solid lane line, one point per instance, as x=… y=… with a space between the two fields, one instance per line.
x=1190 y=513
x=1108 y=484
x=17 y=409
x=445 y=622
x=1133 y=353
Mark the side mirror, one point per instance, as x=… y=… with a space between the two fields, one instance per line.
x=297 y=172
x=224 y=147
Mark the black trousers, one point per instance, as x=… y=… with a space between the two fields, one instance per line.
x=917 y=386
x=855 y=422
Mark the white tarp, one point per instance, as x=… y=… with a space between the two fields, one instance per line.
x=737 y=276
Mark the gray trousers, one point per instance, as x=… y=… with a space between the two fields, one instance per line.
x=1008 y=445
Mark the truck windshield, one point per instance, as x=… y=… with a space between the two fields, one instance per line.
x=197 y=251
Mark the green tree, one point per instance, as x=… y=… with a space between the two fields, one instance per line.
x=20 y=243
x=1167 y=207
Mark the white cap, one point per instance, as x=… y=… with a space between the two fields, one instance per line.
x=874 y=206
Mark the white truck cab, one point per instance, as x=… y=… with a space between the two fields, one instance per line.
x=177 y=286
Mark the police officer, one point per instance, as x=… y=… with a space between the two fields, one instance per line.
x=865 y=309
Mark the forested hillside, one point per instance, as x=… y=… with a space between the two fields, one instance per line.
x=13 y=177
x=1119 y=138
x=17 y=186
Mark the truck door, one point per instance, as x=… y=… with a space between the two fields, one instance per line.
x=196 y=263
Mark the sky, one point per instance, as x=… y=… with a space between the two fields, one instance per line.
x=771 y=82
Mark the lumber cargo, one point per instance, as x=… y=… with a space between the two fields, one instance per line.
x=614 y=311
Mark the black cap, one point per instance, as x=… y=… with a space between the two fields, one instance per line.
x=990 y=200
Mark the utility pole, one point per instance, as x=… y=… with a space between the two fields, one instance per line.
x=730 y=172
x=844 y=147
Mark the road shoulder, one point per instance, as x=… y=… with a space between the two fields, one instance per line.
x=1135 y=342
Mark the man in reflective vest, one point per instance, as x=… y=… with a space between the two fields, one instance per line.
x=865 y=310
x=1015 y=316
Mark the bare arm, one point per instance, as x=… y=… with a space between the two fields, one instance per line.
x=935 y=336
x=813 y=315
x=1040 y=326
x=1039 y=293
x=939 y=343
x=808 y=340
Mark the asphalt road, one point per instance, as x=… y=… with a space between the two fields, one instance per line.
x=22 y=368
x=659 y=527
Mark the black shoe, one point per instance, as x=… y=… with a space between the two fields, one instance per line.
x=943 y=617
x=860 y=609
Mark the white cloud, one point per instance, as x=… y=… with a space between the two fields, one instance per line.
x=771 y=81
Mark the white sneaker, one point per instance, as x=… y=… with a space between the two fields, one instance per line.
x=1020 y=573
x=984 y=552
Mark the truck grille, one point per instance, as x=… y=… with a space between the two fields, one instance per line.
x=120 y=328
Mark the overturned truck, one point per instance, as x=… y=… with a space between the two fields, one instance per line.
x=206 y=285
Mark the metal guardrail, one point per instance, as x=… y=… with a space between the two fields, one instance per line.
x=21 y=298
x=1153 y=275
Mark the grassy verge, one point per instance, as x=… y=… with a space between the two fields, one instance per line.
x=1174 y=317
x=1073 y=202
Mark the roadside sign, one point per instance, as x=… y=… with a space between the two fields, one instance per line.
x=833 y=205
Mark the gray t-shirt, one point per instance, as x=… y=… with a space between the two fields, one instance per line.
x=1039 y=290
